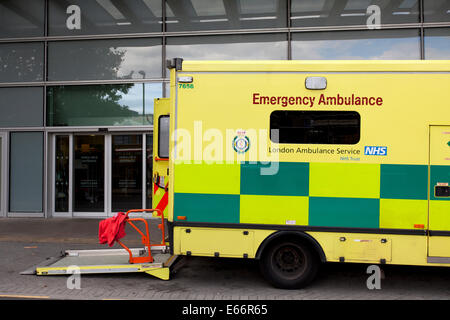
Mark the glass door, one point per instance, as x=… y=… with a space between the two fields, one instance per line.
x=62 y=180
x=97 y=175
x=126 y=169
x=88 y=174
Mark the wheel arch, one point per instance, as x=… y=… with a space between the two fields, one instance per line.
x=292 y=234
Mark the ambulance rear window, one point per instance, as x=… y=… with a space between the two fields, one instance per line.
x=163 y=136
x=315 y=127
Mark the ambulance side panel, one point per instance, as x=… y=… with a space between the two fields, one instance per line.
x=364 y=199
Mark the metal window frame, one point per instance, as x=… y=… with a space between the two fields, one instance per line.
x=223 y=32
x=143 y=168
x=422 y=36
x=52 y=178
x=3 y=174
x=99 y=214
x=143 y=131
x=164 y=32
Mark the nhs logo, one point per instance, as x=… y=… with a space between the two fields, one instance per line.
x=375 y=151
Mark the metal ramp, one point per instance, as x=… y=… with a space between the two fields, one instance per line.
x=106 y=261
x=153 y=259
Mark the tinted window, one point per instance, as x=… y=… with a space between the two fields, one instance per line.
x=26 y=171
x=164 y=136
x=79 y=17
x=21 y=106
x=102 y=105
x=229 y=47
x=21 y=18
x=183 y=15
x=318 y=13
x=436 y=10
x=316 y=127
x=357 y=45
x=104 y=59
x=21 y=62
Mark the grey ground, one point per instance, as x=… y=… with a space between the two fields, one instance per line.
x=26 y=242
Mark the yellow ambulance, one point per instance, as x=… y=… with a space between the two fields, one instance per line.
x=295 y=163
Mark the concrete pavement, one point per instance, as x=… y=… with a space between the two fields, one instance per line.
x=26 y=242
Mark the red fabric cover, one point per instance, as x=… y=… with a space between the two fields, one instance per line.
x=112 y=229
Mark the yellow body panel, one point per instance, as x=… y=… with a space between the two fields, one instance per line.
x=344 y=180
x=403 y=214
x=318 y=66
x=274 y=210
x=404 y=249
x=440 y=140
x=439 y=207
x=398 y=91
x=398 y=249
x=439 y=246
x=204 y=178
x=439 y=215
x=160 y=166
x=232 y=243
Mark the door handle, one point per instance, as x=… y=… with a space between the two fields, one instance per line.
x=442 y=190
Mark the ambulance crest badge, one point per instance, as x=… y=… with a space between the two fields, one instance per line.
x=241 y=143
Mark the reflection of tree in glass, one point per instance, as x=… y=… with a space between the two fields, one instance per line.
x=89 y=105
x=86 y=61
x=21 y=62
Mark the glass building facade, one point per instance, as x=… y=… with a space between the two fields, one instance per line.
x=78 y=79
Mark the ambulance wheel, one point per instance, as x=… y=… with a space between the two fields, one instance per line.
x=289 y=264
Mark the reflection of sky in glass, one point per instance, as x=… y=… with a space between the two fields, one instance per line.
x=133 y=58
x=105 y=59
x=357 y=49
x=437 y=48
x=243 y=48
x=134 y=97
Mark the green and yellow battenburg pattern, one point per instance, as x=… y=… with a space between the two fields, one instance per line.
x=350 y=195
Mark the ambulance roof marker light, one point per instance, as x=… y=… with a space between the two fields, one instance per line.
x=316 y=83
x=185 y=79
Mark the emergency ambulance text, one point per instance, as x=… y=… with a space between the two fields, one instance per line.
x=323 y=100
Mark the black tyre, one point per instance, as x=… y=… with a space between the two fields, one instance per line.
x=289 y=264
